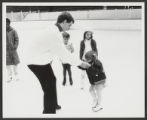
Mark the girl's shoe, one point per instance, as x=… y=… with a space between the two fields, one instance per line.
x=64 y=83
x=71 y=83
x=97 y=108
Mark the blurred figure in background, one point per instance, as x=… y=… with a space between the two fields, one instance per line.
x=12 y=58
x=87 y=44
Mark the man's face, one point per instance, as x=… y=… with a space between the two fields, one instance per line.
x=66 y=25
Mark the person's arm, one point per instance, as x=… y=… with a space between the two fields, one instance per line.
x=60 y=50
x=95 y=45
x=81 y=51
x=83 y=66
x=16 y=39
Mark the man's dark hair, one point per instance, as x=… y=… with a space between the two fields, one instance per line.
x=8 y=20
x=65 y=34
x=65 y=16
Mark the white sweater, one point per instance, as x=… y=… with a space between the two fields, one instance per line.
x=87 y=47
x=46 y=44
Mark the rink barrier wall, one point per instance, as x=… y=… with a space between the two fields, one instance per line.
x=123 y=14
x=83 y=25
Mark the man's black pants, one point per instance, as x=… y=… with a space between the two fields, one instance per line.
x=47 y=80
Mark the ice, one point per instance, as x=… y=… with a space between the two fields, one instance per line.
x=120 y=46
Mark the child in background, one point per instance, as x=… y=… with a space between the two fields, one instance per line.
x=87 y=44
x=67 y=66
x=96 y=77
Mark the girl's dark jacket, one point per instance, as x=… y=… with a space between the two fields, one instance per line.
x=82 y=47
x=96 y=72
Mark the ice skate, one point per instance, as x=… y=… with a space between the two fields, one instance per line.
x=97 y=108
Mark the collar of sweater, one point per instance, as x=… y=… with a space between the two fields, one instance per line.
x=87 y=39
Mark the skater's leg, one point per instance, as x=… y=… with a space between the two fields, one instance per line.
x=15 y=69
x=57 y=106
x=82 y=78
x=70 y=74
x=99 y=88
x=93 y=94
x=64 y=74
x=47 y=80
x=9 y=71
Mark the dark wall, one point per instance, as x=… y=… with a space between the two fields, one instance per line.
x=50 y=8
x=64 y=8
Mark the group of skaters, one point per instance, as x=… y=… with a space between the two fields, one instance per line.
x=55 y=41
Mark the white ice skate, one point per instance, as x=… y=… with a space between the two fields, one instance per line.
x=97 y=108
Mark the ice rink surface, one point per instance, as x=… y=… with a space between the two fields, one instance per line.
x=120 y=46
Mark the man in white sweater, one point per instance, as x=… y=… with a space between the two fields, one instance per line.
x=48 y=44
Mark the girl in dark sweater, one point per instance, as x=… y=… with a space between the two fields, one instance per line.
x=97 y=79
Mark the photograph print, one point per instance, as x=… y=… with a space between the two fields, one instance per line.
x=73 y=60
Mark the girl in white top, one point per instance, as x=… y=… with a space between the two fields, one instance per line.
x=87 y=44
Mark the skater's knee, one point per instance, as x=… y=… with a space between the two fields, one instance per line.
x=99 y=86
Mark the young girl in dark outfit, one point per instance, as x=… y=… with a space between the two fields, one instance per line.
x=96 y=77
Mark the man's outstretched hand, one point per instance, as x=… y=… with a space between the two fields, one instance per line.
x=84 y=65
